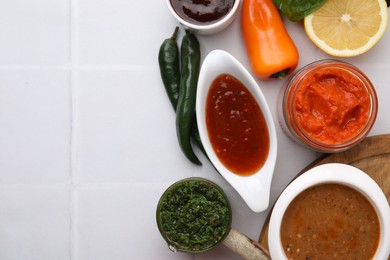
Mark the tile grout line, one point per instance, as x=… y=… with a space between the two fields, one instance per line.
x=62 y=66
x=86 y=67
x=74 y=128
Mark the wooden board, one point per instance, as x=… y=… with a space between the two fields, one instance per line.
x=372 y=156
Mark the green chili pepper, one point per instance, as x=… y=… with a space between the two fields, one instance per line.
x=196 y=137
x=168 y=59
x=185 y=111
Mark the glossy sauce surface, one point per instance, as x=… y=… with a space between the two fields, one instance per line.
x=331 y=105
x=236 y=126
x=330 y=221
x=202 y=11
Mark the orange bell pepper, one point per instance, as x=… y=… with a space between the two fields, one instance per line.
x=271 y=51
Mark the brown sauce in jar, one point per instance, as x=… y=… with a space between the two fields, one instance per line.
x=236 y=126
x=330 y=221
x=202 y=12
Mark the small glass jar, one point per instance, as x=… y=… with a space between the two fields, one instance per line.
x=179 y=190
x=328 y=106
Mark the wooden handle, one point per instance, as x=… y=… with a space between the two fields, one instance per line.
x=245 y=247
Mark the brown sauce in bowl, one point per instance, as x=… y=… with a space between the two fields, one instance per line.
x=202 y=12
x=236 y=126
x=330 y=221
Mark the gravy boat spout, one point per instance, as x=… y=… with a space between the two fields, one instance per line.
x=254 y=189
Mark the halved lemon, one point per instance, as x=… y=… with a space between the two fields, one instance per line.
x=346 y=28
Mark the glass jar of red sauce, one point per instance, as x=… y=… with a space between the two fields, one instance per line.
x=328 y=106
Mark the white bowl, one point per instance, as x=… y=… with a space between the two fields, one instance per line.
x=209 y=28
x=254 y=189
x=332 y=173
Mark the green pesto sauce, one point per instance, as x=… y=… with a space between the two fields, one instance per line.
x=194 y=215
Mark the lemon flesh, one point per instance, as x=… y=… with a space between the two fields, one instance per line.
x=346 y=28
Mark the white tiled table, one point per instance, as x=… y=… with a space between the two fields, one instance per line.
x=87 y=135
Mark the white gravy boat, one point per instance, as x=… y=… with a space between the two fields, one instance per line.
x=253 y=189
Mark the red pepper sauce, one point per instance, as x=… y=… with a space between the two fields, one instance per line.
x=332 y=105
x=236 y=126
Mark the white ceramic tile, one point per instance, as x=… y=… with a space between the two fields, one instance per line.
x=34 y=125
x=118 y=222
x=34 y=31
x=34 y=223
x=124 y=149
x=381 y=83
x=110 y=34
x=126 y=129
x=224 y=41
